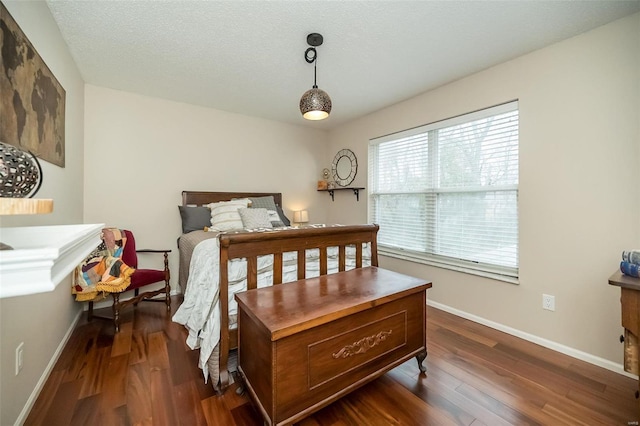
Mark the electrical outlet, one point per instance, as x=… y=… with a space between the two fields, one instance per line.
x=548 y=302
x=19 y=357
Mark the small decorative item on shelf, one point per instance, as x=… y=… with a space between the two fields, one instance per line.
x=331 y=185
x=20 y=172
x=20 y=178
x=323 y=184
x=326 y=174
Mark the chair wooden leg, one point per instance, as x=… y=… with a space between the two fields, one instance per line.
x=167 y=286
x=167 y=295
x=116 y=311
x=90 y=311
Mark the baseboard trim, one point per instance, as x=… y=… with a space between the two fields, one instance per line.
x=575 y=353
x=47 y=371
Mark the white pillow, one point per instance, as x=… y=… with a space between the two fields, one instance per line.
x=255 y=218
x=225 y=216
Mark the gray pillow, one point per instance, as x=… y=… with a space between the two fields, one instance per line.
x=285 y=220
x=263 y=202
x=269 y=203
x=194 y=218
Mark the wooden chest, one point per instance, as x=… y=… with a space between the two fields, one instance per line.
x=303 y=345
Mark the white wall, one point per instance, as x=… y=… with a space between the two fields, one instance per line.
x=41 y=321
x=579 y=202
x=142 y=152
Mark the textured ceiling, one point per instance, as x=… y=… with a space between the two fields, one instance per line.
x=248 y=56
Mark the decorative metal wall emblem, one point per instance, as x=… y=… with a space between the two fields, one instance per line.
x=20 y=173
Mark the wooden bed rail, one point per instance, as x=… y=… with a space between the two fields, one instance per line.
x=250 y=245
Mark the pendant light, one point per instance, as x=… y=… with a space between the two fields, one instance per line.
x=315 y=104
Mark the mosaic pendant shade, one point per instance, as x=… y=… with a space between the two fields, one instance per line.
x=315 y=104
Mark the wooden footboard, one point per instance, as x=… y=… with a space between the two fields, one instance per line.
x=250 y=245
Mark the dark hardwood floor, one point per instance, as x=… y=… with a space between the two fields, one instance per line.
x=146 y=375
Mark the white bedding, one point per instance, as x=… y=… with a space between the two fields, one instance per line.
x=200 y=310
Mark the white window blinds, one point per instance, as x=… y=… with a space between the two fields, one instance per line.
x=447 y=193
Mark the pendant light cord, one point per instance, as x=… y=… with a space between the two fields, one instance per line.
x=310 y=55
x=315 y=85
x=310 y=59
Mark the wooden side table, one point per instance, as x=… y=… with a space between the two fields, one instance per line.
x=630 y=302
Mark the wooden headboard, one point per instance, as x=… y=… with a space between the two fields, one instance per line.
x=200 y=198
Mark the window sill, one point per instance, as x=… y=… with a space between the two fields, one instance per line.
x=449 y=265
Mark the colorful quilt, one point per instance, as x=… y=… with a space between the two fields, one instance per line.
x=103 y=271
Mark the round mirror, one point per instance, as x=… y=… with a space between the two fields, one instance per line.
x=344 y=167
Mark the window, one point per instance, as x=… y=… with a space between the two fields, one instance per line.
x=446 y=194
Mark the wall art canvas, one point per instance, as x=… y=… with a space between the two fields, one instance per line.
x=32 y=101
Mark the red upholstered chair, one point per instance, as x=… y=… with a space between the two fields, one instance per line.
x=140 y=278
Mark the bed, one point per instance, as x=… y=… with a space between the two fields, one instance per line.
x=195 y=221
x=216 y=265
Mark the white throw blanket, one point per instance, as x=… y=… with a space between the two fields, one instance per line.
x=200 y=310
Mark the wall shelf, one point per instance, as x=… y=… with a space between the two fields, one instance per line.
x=43 y=256
x=10 y=206
x=356 y=192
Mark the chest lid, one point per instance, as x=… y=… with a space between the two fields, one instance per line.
x=290 y=308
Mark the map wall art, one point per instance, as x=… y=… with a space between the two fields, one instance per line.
x=32 y=101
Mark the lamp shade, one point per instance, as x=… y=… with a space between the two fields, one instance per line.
x=301 y=216
x=315 y=104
